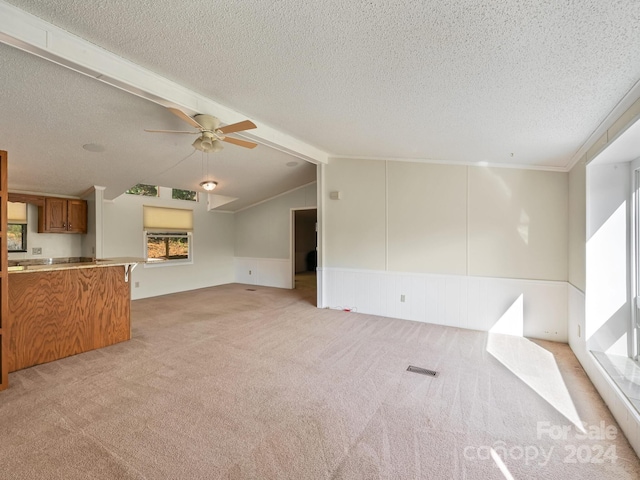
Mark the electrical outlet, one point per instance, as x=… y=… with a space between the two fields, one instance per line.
x=93 y=250
x=402 y=298
x=137 y=284
x=249 y=272
x=36 y=251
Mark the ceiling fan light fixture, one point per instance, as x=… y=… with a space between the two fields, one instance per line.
x=211 y=134
x=216 y=146
x=206 y=144
x=208 y=185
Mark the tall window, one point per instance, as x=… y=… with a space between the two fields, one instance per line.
x=168 y=234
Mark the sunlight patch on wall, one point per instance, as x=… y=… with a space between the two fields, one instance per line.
x=606 y=271
x=523 y=227
x=512 y=321
x=621 y=346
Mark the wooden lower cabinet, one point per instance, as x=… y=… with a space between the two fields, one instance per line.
x=55 y=314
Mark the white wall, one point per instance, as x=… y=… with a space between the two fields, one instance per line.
x=598 y=268
x=94 y=217
x=518 y=223
x=355 y=225
x=435 y=243
x=608 y=312
x=530 y=308
x=427 y=218
x=263 y=238
x=213 y=244
x=577 y=224
x=54 y=245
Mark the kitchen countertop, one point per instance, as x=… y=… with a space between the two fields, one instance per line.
x=54 y=264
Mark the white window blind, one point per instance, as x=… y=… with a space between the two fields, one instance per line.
x=167 y=219
x=16 y=212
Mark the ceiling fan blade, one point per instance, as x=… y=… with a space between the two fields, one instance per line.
x=242 y=143
x=170 y=131
x=237 y=127
x=186 y=118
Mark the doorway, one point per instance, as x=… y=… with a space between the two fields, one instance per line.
x=304 y=249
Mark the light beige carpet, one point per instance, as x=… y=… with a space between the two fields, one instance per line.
x=229 y=383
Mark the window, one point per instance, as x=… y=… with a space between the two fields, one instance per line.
x=178 y=194
x=173 y=246
x=168 y=234
x=16 y=227
x=145 y=190
x=17 y=237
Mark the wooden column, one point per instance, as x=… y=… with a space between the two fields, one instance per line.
x=4 y=275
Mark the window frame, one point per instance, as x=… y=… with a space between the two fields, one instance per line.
x=194 y=199
x=151 y=262
x=157 y=187
x=24 y=237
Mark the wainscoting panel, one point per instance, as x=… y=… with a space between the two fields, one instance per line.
x=267 y=272
x=531 y=308
x=576 y=330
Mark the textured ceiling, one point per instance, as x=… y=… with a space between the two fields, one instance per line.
x=49 y=112
x=460 y=81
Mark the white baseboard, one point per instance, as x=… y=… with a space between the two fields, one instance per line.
x=267 y=272
x=477 y=303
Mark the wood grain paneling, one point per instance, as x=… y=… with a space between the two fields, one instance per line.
x=56 y=314
x=4 y=275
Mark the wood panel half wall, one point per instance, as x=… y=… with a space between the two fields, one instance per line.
x=56 y=314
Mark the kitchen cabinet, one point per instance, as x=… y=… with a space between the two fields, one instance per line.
x=62 y=215
x=66 y=310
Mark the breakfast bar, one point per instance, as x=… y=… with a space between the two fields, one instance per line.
x=62 y=307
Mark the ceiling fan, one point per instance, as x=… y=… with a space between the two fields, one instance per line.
x=211 y=133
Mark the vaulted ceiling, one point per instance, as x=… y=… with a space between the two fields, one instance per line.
x=505 y=82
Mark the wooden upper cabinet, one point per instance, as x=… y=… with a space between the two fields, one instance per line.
x=61 y=215
x=77 y=216
x=55 y=215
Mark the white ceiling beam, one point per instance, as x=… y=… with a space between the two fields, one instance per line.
x=33 y=35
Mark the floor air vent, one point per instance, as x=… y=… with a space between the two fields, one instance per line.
x=422 y=371
x=251 y=289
